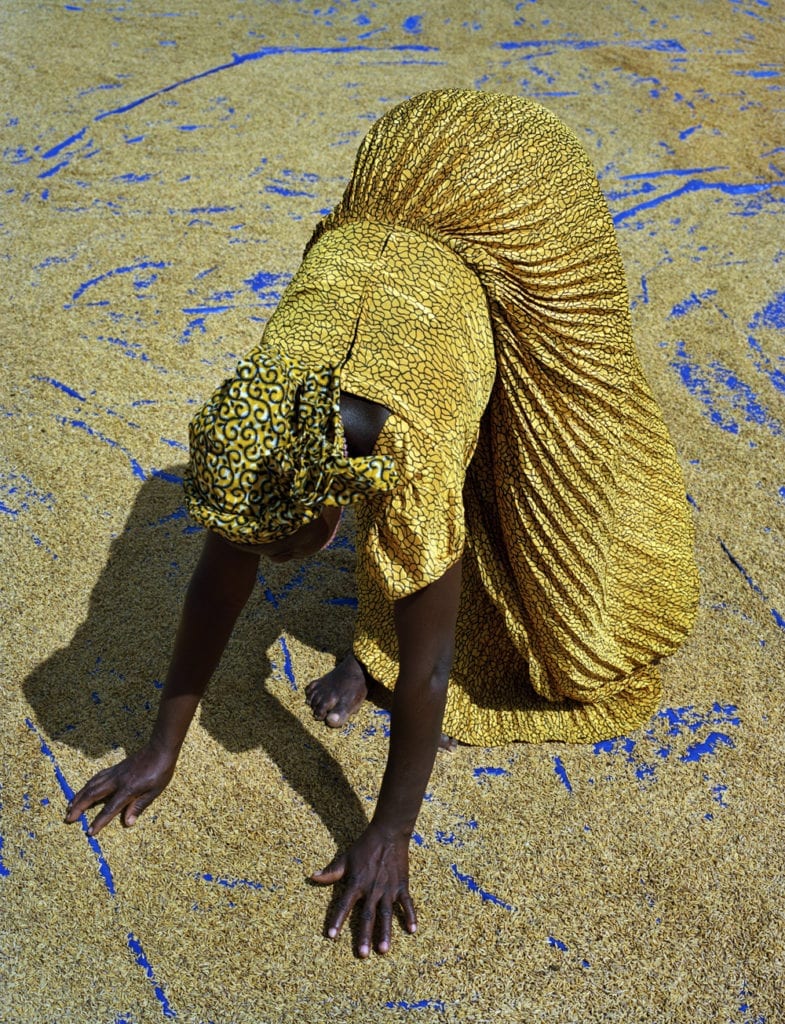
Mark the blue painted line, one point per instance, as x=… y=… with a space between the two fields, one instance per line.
x=81 y=425
x=561 y=774
x=239 y=59
x=472 y=886
x=61 y=387
x=139 y=955
x=698 y=185
x=141 y=265
x=103 y=865
x=661 y=45
x=779 y=619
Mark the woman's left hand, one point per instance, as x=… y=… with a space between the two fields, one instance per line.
x=375 y=870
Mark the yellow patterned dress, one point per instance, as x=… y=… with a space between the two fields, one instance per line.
x=472 y=273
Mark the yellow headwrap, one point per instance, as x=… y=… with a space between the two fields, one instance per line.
x=267 y=452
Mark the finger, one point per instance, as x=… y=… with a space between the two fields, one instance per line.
x=109 y=811
x=384 y=913
x=367 y=921
x=95 y=790
x=409 y=913
x=333 y=873
x=341 y=911
x=134 y=809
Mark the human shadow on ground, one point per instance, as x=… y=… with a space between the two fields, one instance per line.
x=100 y=693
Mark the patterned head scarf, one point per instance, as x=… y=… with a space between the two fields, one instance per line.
x=267 y=451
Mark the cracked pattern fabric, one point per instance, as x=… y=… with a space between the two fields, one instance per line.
x=473 y=261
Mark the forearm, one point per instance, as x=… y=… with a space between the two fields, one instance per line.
x=425 y=626
x=218 y=591
x=415 y=730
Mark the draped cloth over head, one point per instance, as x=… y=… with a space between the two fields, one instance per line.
x=267 y=452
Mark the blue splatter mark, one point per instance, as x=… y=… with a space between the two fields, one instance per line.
x=288 y=670
x=707 y=747
x=678 y=722
x=772 y=317
x=233 y=883
x=413 y=25
x=268 y=286
x=480 y=772
x=561 y=773
x=693 y=302
x=737 y=394
x=779 y=619
x=472 y=886
x=139 y=955
x=557 y=944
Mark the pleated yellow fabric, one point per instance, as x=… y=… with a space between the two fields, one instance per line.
x=473 y=238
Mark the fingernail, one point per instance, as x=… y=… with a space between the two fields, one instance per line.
x=332 y=932
x=363 y=951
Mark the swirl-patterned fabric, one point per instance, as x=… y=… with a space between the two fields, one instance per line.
x=267 y=451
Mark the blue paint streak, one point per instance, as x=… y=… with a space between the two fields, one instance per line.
x=61 y=387
x=103 y=866
x=561 y=773
x=472 y=886
x=698 y=185
x=557 y=943
x=775 y=614
x=139 y=955
x=413 y=25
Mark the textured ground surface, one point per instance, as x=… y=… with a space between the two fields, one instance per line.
x=162 y=167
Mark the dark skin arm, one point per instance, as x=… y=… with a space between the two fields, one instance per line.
x=219 y=588
x=375 y=868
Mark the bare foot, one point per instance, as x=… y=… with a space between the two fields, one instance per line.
x=447 y=743
x=335 y=697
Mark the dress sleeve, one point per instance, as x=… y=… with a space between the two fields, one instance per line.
x=413 y=535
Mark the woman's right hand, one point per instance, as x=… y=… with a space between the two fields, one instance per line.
x=127 y=788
